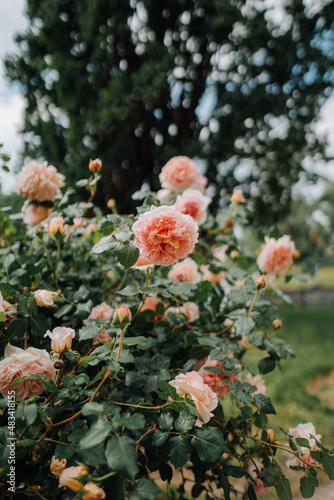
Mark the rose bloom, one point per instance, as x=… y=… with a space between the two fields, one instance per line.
x=7 y=308
x=95 y=165
x=39 y=182
x=54 y=225
x=93 y=492
x=192 y=386
x=201 y=183
x=44 y=298
x=37 y=214
x=258 y=381
x=151 y=303
x=79 y=222
x=61 y=338
x=304 y=431
x=193 y=202
x=209 y=276
x=237 y=197
x=67 y=478
x=189 y=309
x=218 y=381
x=164 y=235
x=178 y=174
x=165 y=196
x=277 y=256
x=143 y=264
x=185 y=271
x=57 y=466
x=20 y=363
x=102 y=311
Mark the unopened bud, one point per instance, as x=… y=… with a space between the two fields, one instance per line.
x=95 y=165
x=59 y=364
x=271 y=435
x=96 y=344
x=122 y=316
x=296 y=254
x=234 y=254
x=111 y=203
x=277 y=323
x=237 y=197
x=260 y=282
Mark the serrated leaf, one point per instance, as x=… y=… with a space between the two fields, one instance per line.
x=264 y=403
x=303 y=442
x=17 y=327
x=159 y=438
x=244 y=325
x=185 y=421
x=209 y=444
x=129 y=290
x=89 y=332
x=308 y=485
x=96 y=434
x=144 y=489
x=266 y=365
x=328 y=464
x=92 y=408
x=128 y=255
x=166 y=421
x=106 y=243
x=179 y=450
x=121 y=456
x=282 y=487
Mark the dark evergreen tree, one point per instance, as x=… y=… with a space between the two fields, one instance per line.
x=137 y=82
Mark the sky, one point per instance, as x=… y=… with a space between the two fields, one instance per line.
x=12 y=104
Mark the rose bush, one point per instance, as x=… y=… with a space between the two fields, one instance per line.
x=124 y=341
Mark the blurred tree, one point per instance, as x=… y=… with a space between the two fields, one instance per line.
x=137 y=82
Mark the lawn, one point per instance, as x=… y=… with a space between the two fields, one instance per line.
x=303 y=391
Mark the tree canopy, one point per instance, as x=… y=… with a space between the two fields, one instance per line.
x=234 y=83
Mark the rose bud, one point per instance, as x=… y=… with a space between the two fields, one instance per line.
x=260 y=282
x=234 y=254
x=55 y=225
x=61 y=338
x=111 y=203
x=237 y=197
x=122 y=316
x=277 y=323
x=271 y=435
x=67 y=478
x=93 y=492
x=57 y=466
x=296 y=254
x=44 y=298
x=95 y=165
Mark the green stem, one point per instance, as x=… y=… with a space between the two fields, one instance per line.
x=119 y=286
x=120 y=346
x=102 y=478
x=253 y=303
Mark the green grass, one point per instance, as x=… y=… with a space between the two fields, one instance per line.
x=323 y=279
x=310 y=332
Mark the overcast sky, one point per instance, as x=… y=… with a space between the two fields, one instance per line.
x=12 y=21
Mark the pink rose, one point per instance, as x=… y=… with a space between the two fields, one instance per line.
x=193 y=202
x=189 y=309
x=192 y=386
x=201 y=183
x=44 y=298
x=39 y=182
x=179 y=174
x=185 y=271
x=37 y=214
x=217 y=381
x=151 y=303
x=67 y=478
x=19 y=363
x=304 y=431
x=61 y=338
x=102 y=311
x=277 y=256
x=54 y=225
x=258 y=382
x=209 y=276
x=164 y=235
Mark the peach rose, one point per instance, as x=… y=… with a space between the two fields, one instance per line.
x=304 y=431
x=217 y=381
x=54 y=225
x=151 y=303
x=102 y=311
x=185 y=271
x=93 y=492
x=57 y=466
x=67 y=478
x=44 y=298
x=189 y=309
x=7 y=308
x=61 y=338
x=39 y=182
x=193 y=202
x=37 y=214
x=209 y=276
x=143 y=264
x=277 y=256
x=201 y=183
x=164 y=235
x=20 y=363
x=192 y=386
x=258 y=381
x=178 y=174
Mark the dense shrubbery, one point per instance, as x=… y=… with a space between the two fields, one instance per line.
x=125 y=370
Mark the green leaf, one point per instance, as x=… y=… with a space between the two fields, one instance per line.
x=121 y=456
x=185 y=421
x=88 y=332
x=129 y=290
x=282 y=487
x=244 y=326
x=96 y=434
x=40 y=324
x=209 y=444
x=144 y=489
x=308 y=484
x=264 y=403
x=179 y=450
x=92 y=408
x=63 y=310
x=166 y=421
x=133 y=422
x=159 y=438
x=303 y=442
x=128 y=255
x=328 y=464
x=30 y=414
x=105 y=243
x=17 y=327
x=140 y=340
x=267 y=365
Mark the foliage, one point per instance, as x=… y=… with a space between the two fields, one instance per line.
x=141 y=81
x=111 y=407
